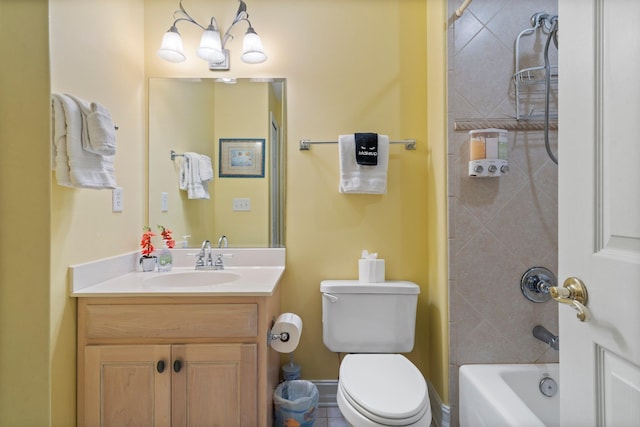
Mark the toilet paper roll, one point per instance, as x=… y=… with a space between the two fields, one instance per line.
x=290 y=324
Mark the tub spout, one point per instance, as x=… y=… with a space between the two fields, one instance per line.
x=541 y=333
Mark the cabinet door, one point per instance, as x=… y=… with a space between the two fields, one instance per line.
x=125 y=386
x=214 y=385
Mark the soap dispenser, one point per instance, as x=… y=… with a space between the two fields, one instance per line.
x=165 y=259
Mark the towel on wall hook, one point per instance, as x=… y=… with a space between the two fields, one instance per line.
x=74 y=165
x=98 y=130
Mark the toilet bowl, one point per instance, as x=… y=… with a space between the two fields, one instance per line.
x=382 y=390
x=374 y=323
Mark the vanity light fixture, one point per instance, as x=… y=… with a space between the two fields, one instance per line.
x=212 y=45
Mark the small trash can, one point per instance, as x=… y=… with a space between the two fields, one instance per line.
x=296 y=404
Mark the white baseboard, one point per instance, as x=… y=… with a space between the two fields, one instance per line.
x=327 y=390
x=440 y=412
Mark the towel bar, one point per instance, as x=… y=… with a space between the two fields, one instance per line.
x=174 y=155
x=305 y=144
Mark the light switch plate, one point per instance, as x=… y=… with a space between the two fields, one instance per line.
x=242 y=204
x=117 y=200
x=164 y=201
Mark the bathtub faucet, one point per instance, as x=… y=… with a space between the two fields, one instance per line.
x=541 y=333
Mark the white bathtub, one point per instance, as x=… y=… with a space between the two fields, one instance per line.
x=508 y=396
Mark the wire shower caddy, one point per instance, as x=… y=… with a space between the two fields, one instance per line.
x=530 y=82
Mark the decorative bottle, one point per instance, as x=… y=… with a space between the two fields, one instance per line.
x=165 y=259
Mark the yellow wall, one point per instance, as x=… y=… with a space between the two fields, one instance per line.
x=96 y=54
x=436 y=194
x=391 y=84
x=24 y=214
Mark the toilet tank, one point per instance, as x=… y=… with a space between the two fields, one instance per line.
x=369 y=317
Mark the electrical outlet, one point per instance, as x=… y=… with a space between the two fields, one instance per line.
x=242 y=204
x=164 y=201
x=117 y=201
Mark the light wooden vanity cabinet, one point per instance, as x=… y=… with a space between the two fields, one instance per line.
x=176 y=361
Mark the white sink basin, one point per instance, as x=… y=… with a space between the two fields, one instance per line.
x=191 y=278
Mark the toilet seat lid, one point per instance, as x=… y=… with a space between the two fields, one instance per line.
x=385 y=387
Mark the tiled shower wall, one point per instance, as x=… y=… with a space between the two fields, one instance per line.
x=498 y=227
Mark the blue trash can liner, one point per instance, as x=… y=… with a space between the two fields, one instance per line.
x=296 y=404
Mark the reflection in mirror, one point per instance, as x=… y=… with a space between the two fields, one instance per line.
x=192 y=116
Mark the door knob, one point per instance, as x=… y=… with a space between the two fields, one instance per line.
x=574 y=293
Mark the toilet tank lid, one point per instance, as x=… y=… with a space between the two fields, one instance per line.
x=355 y=287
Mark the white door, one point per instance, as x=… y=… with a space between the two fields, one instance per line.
x=599 y=205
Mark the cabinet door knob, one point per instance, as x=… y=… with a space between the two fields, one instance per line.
x=177 y=365
x=160 y=366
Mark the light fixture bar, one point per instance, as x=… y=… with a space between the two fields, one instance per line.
x=212 y=45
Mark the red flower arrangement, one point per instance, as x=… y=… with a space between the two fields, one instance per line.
x=145 y=242
x=166 y=236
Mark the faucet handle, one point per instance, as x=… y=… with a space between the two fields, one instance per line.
x=199 y=261
x=219 y=264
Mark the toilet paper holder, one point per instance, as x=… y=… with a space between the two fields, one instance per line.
x=283 y=336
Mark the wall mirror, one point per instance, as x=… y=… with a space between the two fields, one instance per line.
x=240 y=125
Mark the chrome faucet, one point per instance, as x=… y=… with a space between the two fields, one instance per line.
x=223 y=242
x=201 y=263
x=541 y=333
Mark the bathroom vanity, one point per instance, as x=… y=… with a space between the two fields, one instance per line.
x=171 y=356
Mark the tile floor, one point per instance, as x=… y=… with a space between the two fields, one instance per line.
x=330 y=417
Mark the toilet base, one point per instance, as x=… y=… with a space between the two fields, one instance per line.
x=356 y=419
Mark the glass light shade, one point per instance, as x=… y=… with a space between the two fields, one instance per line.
x=171 y=49
x=210 y=46
x=252 y=51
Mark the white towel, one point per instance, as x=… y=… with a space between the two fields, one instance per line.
x=87 y=170
x=355 y=178
x=102 y=131
x=193 y=169
x=206 y=169
x=98 y=130
x=59 y=141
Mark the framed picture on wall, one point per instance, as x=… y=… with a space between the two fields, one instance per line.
x=241 y=158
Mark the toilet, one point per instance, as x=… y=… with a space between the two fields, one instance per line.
x=374 y=322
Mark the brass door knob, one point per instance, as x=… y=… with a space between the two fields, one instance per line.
x=574 y=293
